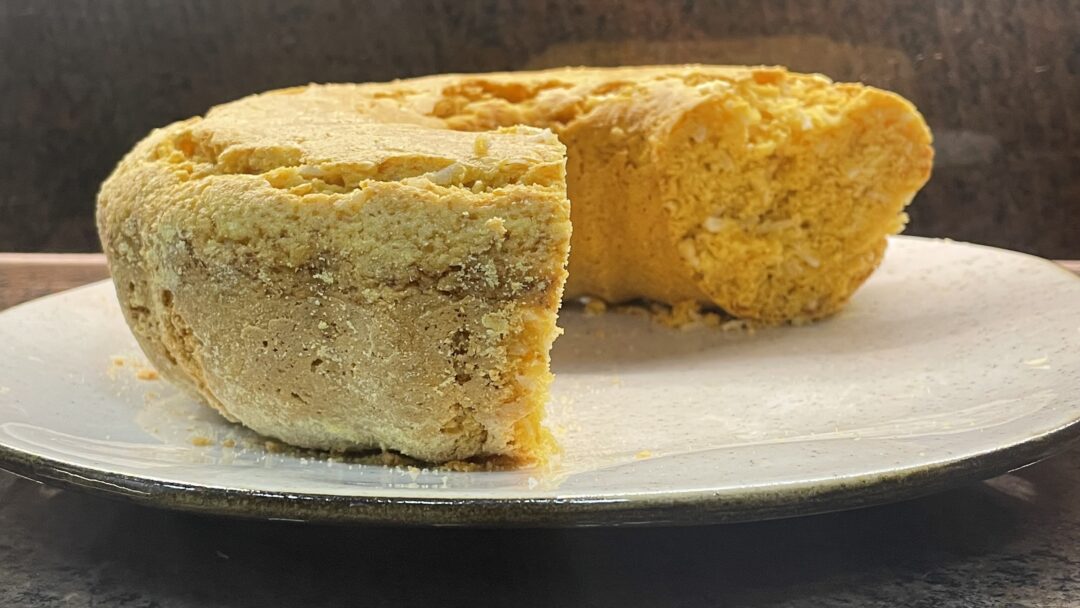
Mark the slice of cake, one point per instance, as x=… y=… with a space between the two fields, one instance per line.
x=337 y=284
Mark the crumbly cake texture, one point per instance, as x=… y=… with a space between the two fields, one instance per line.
x=764 y=193
x=342 y=285
x=380 y=265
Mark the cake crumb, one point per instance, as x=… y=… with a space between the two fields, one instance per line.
x=201 y=442
x=117 y=361
x=273 y=447
x=496 y=225
x=643 y=454
x=229 y=443
x=595 y=306
x=146 y=373
x=481 y=145
x=687 y=314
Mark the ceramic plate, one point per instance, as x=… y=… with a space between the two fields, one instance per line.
x=953 y=363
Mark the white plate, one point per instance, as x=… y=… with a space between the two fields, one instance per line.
x=955 y=362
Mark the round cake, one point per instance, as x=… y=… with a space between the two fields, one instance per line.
x=357 y=266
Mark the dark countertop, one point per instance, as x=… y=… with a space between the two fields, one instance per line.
x=1010 y=541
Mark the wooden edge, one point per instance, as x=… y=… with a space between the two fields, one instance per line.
x=1070 y=265
x=52 y=259
x=25 y=276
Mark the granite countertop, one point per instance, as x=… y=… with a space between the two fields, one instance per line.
x=1011 y=541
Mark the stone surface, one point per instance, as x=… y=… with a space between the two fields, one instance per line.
x=998 y=80
x=1011 y=541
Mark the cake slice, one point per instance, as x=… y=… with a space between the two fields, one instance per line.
x=338 y=284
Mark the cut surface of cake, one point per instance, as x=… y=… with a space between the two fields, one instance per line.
x=381 y=265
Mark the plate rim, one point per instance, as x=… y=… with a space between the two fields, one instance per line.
x=692 y=507
x=697 y=506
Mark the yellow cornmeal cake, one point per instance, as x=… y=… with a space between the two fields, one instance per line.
x=346 y=266
x=337 y=284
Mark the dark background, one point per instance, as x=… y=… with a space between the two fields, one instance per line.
x=998 y=80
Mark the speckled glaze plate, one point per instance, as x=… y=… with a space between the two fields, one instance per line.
x=954 y=363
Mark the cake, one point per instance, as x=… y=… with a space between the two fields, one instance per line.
x=358 y=266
